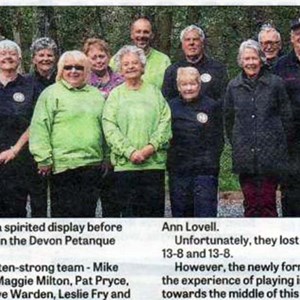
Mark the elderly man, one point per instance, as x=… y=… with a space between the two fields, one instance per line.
x=288 y=68
x=270 y=41
x=157 y=62
x=213 y=73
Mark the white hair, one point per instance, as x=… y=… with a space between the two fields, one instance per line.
x=250 y=44
x=129 y=49
x=10 y=45
x=191 y=28
x=268 y=28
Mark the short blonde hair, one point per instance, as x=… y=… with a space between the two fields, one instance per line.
x=79 y=57
x=188 y=72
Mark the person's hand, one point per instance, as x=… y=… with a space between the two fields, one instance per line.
x=147 y=151
x=45 y=170
x=137 y=157
x=7 y=155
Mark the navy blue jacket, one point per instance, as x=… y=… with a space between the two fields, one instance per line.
x=197 y=141
x=41 y=82
x=288 y=68
x=18 y=99
x=213 y=76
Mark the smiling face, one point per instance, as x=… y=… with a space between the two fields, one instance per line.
x=74 y=72
x=9 y=60
x=270 y=44
x=189 y=87
x=131 y=66
x=44 y=61
x=141 y=34
x=250 y=62
x=98 y=58
x=192 y=45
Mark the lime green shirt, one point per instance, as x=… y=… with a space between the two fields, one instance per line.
x=66 y=130
x=133 y=119
x=156 y=65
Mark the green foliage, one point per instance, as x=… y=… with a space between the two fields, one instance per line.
x=225 y=28
x=227 y=180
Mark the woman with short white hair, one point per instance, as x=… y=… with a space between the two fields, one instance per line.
x=258 y=121
x=195 y=149
x=66 y=138
x=18 y=97
x=136 y=123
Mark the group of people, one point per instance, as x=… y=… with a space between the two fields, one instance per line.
x=109 y=127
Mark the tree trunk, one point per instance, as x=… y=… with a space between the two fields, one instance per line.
x=163 y=21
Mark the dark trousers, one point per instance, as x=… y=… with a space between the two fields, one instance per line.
x=193 y=195
x=74 y=193
x=141 y=193
x=291 y=196
x=18 y=181
x=37 y=187
x=109 y=202
x=259 y=195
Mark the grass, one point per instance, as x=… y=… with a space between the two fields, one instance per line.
x=227 y=180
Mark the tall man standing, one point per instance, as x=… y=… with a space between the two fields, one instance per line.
x=288 y=67
x=213 y=74
x=156 y=61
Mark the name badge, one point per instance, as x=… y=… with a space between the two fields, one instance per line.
x=205 y=77
x=202 y=117
x=19 y=97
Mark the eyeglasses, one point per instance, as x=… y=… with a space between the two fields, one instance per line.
x=76 y=68
x=270 y=43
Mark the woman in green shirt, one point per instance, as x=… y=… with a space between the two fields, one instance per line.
x=66 y=138
x=136 y=123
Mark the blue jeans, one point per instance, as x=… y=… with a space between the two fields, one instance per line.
x=193 y=195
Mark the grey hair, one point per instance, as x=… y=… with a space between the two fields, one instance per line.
x=43 y=43
x=191 y=28
x=268 y=28
x=10 y=45
x=188 y=71
x=250 y=44
x=129 y=49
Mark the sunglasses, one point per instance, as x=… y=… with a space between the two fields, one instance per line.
x=75 y=67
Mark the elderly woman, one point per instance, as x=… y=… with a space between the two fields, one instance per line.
x=257 y=117
x=196 y=146
x=136 y=123
x=102 y=75
x=18 y=98
x=66 y=138
x=44 y=57
x=105 y=80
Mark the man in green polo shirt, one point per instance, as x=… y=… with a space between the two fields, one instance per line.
x=157 y=62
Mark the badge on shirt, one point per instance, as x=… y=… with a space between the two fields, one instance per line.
x=19 y=97
x=205 y=77
x=202 y=117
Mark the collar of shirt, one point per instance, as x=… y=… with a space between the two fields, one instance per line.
x=70 y=87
